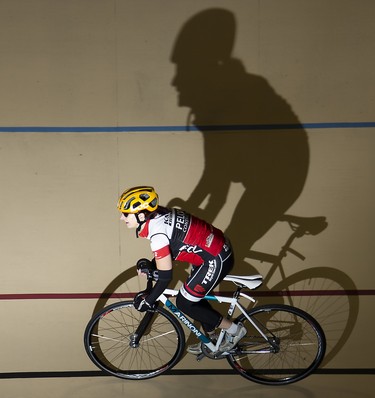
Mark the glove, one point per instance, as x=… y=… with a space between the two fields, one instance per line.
x=141 y=304
x=148 y=267
x=144 y=265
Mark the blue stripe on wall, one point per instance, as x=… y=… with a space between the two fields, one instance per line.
x=134 y=129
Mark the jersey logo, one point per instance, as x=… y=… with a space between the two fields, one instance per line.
x=210 y=273
x=199 y=289
x=209 y=239
x=190 y=249
x=168 y=219
x=182 y=221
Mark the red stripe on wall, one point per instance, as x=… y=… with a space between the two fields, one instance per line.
x=63 y=296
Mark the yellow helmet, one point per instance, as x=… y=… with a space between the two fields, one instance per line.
x=136 y=199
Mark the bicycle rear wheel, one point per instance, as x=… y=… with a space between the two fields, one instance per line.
x=295 y=347
x=109 y=334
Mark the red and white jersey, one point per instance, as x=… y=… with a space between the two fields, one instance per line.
x=185 y=237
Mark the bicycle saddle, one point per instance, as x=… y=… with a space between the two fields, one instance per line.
x=251 y=282
x=306 y=225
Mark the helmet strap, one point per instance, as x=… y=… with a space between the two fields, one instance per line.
x=140 y=223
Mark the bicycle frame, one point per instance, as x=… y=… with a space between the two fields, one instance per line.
x=233 y=304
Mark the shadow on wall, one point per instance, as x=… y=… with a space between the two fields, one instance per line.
x=271 y=164
x=252 y=136
x=271 y=161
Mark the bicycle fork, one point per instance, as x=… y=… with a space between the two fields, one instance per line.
x=143 y=325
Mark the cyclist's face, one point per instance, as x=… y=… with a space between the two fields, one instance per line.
x=130 y=220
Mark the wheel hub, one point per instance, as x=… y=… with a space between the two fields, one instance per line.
x=133 y=341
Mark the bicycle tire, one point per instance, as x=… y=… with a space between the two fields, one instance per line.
x=107 y=342
x=336 y=313
x=299 y=346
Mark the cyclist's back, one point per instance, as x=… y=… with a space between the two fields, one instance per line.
x=186 y=237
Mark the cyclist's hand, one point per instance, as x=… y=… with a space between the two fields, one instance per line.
x=141 y=304
x=141 y=273
x=147 y=268
x=144 y=265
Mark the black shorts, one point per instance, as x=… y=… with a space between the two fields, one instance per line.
x=205 y=277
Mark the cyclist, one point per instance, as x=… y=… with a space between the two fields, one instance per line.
x=176 y=235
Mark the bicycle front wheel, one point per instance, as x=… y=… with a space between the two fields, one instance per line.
x=109 y=342
x=289 y=345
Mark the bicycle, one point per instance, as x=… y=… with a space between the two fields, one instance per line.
x=326 y=293
x=283 y=344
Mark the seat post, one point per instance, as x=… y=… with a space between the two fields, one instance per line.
x=237 y=292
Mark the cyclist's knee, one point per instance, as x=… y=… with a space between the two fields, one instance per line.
x=184 y=304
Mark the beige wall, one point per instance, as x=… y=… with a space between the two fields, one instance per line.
x=91 y=63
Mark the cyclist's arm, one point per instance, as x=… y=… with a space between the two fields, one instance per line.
x=164 y=266
x=164 y=263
